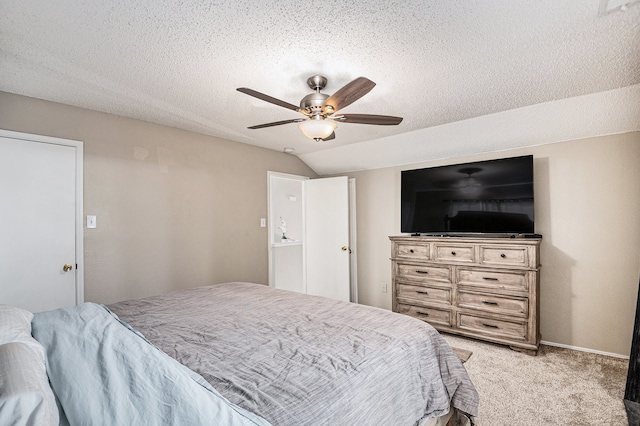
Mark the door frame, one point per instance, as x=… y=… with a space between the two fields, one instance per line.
x=79 y=240
x=353 y=253
x=270 y=226
x=353 y=243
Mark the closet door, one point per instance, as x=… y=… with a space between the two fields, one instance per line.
x=327 y=237
x=41 y=195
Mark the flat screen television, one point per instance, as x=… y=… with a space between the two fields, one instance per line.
x=484 y=197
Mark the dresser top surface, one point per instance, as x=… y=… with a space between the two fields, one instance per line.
x=467 y=239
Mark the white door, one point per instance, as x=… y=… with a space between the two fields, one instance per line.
x=327 y=237
x=39 y=190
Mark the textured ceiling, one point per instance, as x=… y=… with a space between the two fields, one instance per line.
x=178 y=62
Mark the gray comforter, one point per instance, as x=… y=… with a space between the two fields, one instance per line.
x=300 y=360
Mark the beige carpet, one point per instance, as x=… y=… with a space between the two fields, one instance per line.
x=557 y=387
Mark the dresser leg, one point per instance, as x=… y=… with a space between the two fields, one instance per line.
x=531 y=352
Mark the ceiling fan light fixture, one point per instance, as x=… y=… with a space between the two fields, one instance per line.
x=317 y=128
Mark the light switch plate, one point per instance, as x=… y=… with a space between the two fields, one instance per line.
x=91 y=222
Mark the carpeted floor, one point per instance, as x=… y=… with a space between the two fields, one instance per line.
x=557 y=387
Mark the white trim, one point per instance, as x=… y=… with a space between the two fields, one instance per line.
x=78 y=145
x=287 y=176
x=575 y=348
x=353 y=243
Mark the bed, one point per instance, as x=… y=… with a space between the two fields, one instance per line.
x=248 y=354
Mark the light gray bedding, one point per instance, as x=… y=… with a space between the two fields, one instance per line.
x=301 y=360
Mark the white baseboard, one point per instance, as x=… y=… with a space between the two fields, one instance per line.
x=575 y=348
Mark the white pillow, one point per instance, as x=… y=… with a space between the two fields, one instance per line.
x=26 y=398
x=25 y=395
x=15 y=324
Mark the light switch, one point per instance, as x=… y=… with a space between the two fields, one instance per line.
x=91 y=221
x=263 y=222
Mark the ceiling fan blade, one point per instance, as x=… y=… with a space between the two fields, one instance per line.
x=267 y=98
x=331 y=136
x=349 y=93
x=380 y=120
x=276 y=123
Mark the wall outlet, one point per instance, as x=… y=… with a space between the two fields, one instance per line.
x=384 y=287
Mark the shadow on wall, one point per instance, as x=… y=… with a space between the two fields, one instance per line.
x=556 y=295
x=556 y=292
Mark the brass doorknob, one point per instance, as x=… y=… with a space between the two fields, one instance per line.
x=345 y=248
x=67 y=267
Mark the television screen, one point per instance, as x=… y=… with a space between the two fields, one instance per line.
x=494 y=196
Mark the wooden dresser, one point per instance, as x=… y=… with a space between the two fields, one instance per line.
x=485 y=288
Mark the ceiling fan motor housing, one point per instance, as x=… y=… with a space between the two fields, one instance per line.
x=313 y=102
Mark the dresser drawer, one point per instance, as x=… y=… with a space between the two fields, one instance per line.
x=424 y=272
x=504 y=256
x=513 y=306
x=454 y=252
x=492 y=327
x=431 y=315
x=494 y=280
x=422 y=293
x=413 y=251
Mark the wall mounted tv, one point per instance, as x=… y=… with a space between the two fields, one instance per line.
x=487 y=197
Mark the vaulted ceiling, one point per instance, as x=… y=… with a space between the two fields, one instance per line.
x=455 y=70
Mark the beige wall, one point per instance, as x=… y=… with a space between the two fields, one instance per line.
x=174 y=209
x=587 y=196
x=177 y=209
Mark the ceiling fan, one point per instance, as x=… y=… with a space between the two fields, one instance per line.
x=321 y=109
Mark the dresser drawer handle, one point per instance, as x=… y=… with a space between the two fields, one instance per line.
x=453 y=253
x=422 y=313
x=422 y=292
x=490 y=325
x=487 y=302
x=490 y=278
x=502 y=255
x=411 y=251
x=421 y=272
